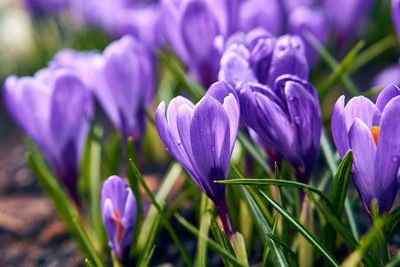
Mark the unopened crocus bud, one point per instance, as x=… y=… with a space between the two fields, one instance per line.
x=372 y=132
x=201 y=137
x=287 y=119
x=118 y=209
x=54 y=109
x=303 y=20
x=126 y=85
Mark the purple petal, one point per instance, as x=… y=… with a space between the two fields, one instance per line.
x=260 y=59
x=235 y=69
x=288 y=58
x=210 y=139
x=199 y=29
x=339 y=128
x=388 y=76
x=388 y=155
x=362 y=108
x=364 y=153
x=387 y=94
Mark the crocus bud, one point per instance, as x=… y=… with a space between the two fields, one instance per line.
x=372 y=132
x=54 y=109
x=313 y=21
x=118 y=209
x=390 y=75
x=261 y=13
x=201 y=137
x=288 y=58
x=126 y=84
x=287 y=119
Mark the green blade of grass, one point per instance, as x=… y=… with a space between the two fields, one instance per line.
x=166 y=222
x=205 y=220
x=302 y=230
x=61 y=202
x=212 y=244
x=393 y=222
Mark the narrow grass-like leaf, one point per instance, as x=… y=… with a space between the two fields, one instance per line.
x=394 y=262
x=147 y=233
x=166 y=222
x=340 y=69
x=372 y=52
x=196 y=90
x=62 y=203
x=113 y=154
x=95 y=187
x=88 y=263
x=147 y=257
x=201 y=253
x=382 y=250
x=365 y=244
x=338 y=193
x=212 y=244
x=303 y=231
x=249 y=181
x=259 y=219
x=330 y=159
x=253 y=151
x=393 y=222
x=221 y=239
x=332 y=63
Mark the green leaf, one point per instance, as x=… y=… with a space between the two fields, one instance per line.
x=340 y=69
x=196 y=90
x=61 y=202
x=303 y=231
x=88 y=263
x=95 y=187
x=148 y=230
x=212 y=244
x=259 y=219
x=205 y=220
x=147 y=257
x=338 y=193
x=249 y=181
x=392 y=222
x=394 y=262
x=365 y=244
x=166 y=222
x=332 y=63
x=112 y=155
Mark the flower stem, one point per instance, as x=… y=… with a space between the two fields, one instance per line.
x=222 y=209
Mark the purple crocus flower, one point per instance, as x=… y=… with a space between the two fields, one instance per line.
x=261 y=13
x=54 y=109
x=287 y=118
x=346 y=16
x=396 y=16
x=390 y=75
x=277 y=103
x=126 y=85
x=118 y=209
x=372 y=132
x=304 y=19
x=201 y=137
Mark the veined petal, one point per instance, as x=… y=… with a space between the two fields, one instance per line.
x=210 y=139
x=339 y=128
x=234 y=69
x=364 y=154
x=386 y=95
x=388 y=155
x=220 y=90
x=362 y=108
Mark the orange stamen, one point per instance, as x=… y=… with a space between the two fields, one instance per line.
x=120 y=227
x=375 y=133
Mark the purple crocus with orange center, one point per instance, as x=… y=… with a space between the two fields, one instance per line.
x=201 y=137
x=372 y=132
x=53 y=108
x=118 y=208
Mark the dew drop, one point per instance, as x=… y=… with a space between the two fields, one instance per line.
x=297 y=120
x=291 y=99
x=395 y=158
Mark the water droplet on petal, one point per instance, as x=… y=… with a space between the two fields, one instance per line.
x=297 y=120
x=395 y=158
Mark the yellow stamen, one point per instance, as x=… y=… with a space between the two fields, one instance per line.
x=375 y=133
x=120 y=227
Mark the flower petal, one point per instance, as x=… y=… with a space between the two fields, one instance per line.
x=364 y=154
x=362 y=108
x=388 y=155
x=210 y=139
x=386 y=95
x=339 y=128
